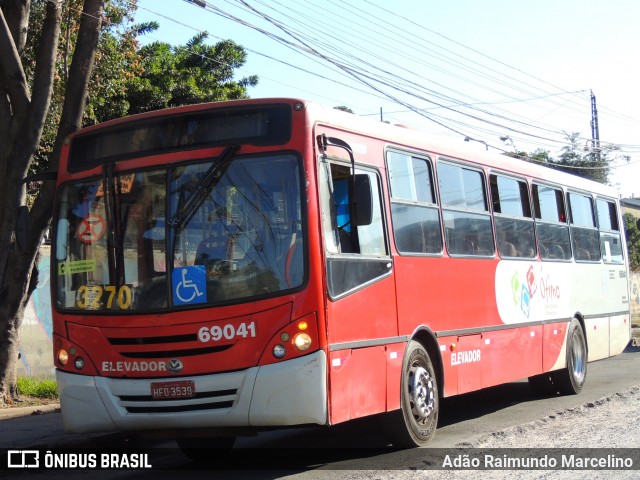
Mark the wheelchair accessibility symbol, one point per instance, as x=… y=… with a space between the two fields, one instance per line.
x=189 y=285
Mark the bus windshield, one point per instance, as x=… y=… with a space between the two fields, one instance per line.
x=242 y=239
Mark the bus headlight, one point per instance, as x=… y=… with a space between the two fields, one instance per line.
x=279 y=351
x=79 y=363
x=302 y=341
x=294 y=339
x=63 y=356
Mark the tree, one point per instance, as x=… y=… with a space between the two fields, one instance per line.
x=182 y=75
x=24 y=104
x=582 y=161
x=594 y=164
x=343 y=108
x=633 y=240
x=61 y=69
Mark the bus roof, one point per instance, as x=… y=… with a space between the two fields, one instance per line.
x=406 y=137
x=397 y=135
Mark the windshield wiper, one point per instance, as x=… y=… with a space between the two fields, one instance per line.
x=206 y=183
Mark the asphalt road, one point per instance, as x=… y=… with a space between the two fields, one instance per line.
x=360 y=445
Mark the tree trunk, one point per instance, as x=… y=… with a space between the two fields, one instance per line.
x=23 y=114
x=12 y=304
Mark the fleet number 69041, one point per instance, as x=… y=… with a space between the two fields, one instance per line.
x=228 y=332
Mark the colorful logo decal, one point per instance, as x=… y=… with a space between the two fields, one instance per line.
x=531 y=281
x=523 y=292
x=533 y=287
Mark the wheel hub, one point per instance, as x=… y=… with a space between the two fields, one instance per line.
x=421 y=391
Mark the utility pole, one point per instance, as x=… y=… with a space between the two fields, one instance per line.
x=595 y=131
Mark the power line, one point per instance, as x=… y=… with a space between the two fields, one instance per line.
x=367 y=78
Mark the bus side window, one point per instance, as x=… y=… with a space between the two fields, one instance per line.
x=465 y=211
x=416 y=218
x=551 y=223
x=512 y=215
x=584 y=236
x=350 y=263
x=610 y=240
x=343 y=220
x=339 y=229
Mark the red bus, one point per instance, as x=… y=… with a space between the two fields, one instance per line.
x=234 y=266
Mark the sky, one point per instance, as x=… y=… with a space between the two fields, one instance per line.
x=503 y=74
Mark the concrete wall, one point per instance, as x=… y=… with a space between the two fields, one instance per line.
x=36 y=356
x=635 y=299
x=35 y=333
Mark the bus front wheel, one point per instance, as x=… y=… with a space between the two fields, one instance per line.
x=571 y=379
x=414 y=425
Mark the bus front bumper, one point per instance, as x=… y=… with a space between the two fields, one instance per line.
x=292 y=392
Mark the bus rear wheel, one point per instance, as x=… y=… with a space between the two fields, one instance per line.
x=414 y=425
x=571 y=379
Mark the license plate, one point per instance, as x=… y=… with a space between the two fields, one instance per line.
x=173 y=390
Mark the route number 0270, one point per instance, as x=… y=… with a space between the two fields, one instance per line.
x=96 y=297
x=228 y=332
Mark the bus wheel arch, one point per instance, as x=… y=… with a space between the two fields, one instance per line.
x=428 y=340
x=414 y=424
x=580 y=318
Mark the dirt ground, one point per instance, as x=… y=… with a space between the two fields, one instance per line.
x=608 y=423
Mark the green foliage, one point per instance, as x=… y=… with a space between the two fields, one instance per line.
x=633 y=241
x=188 y=74
x=574 y=158
x=129 y=79
x=116 y=59
x=37 y=387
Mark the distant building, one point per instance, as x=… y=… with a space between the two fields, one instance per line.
x=631 y=205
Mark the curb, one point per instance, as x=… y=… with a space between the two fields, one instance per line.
x=6 y=413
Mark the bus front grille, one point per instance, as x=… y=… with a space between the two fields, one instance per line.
x=151 y=347
x=180 y=408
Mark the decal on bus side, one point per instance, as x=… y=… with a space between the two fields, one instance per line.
x=536 y=291
x=470 y=356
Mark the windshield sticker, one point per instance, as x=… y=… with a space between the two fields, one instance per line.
x=189 y=285
x=77 y=266
x=92 y=228
x=125 y=181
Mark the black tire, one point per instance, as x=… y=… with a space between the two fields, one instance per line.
x=571 y=379
x=414 y=425
x=200 y=449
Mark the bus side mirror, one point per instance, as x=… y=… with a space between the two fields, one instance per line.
x=23 y=228
x=363 y=199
